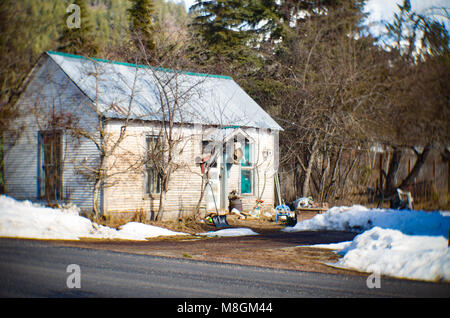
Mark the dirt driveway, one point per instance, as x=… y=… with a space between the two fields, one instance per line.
x=272 y=248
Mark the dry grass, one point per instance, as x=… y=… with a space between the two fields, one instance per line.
x=188 y=225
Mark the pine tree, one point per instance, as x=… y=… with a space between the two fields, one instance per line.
x=228 y=32
x=221 y=23
x=80 y=40
x=141 y=23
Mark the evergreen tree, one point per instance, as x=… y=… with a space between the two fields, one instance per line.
x=80 y=40
x=228 y=32
x=141 y=23
x=222 y=23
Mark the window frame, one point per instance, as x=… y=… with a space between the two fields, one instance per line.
x=150 y=170
x=248 y=166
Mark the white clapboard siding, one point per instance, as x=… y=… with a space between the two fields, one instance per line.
x=125 y=191
x=50 y=92
x=126 y=185
x=262 y=140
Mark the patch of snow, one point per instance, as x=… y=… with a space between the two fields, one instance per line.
x=23 y=219
x=332 y=246
x=230 y=232
x=404 y=244
x=28 y=220
x=392 y=253
x=135 y=231
x=359 y=219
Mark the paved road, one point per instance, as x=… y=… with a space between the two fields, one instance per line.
x=38 y=269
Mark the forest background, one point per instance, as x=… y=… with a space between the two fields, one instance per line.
x=362 y=115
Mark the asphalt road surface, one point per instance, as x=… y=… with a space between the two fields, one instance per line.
x=31 y=268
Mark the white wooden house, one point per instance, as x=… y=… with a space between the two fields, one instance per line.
x=74 y=108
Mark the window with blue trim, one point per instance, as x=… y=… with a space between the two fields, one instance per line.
x=247 y=168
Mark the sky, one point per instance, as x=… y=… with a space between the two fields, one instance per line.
x=382 y=11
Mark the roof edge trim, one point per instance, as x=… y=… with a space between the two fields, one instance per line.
x=136 y=65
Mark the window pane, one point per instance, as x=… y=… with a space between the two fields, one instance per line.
x=246 y=181
x=154 y=154
x=153 y=181
x=246 y=158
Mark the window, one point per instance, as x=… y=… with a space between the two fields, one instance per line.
x=247 y=169
x=152 y=164
x=50 y=167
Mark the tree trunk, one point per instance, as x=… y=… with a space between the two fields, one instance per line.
x=298 y=168
x=202 y=194
x=162 y=201
x=325 y=168
x=163 y=192
x=297 y=174
x=394 y=164
x=330 y=188
x=308 y=170
x=99 y=181
x=96 y=198
x=347 y=173
x=421 y=158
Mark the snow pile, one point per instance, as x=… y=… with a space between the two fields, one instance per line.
x=390 y=252
x=358 y=219
x=242 y=231
x=405 y=244
x=136 y=231
x=27 y=220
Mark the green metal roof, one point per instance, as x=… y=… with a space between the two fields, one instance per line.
x=204 y=98
x=136 y=65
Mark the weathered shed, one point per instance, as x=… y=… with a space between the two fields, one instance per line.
x=75 y=110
